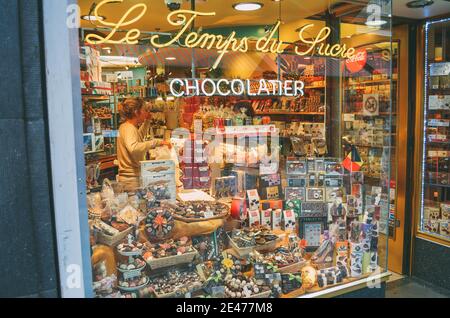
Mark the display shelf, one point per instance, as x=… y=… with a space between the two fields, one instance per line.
x=372 y=82
x=312 y=87
x=437 y=185
x=351 y=286
x=290 y=113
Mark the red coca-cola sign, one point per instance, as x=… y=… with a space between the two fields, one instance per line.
x=357 y=62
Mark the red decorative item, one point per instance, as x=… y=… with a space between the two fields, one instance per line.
x=238 y=208
x=357 y=62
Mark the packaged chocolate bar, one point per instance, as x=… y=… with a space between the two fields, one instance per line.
x=276 y=219
x=288 y=220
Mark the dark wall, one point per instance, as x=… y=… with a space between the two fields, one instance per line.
x=431 y=263
x=28 y=258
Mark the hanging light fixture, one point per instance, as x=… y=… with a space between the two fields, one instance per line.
x=417 y=4
x=247 y=6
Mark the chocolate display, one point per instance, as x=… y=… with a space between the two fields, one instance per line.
x=132 y=248
x=331 y=276
x=137 y=264
x=176 y=283
x=168 y=248
x=252 y=236
x=159 y=223
x=291 y=282
x=280 y=258
x=242 y=287
x=198 y=209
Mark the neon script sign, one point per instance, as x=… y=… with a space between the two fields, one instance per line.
x=184 y=19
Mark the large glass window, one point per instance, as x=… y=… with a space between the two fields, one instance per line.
x=234 y=152
x=435 y=186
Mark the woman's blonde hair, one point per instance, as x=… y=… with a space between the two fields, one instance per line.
x=129 y=107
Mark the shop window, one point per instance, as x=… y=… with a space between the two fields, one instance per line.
x=237 y=155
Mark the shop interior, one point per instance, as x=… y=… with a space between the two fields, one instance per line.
x=263 y=193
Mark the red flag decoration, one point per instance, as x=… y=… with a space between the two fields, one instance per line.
x=353 y=162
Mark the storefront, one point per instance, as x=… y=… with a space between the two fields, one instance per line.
x=279 y=178
x=287 y=170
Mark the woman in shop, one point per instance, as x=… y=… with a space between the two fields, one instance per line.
x=131 y=147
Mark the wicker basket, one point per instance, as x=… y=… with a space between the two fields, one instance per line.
x=193 y=288
x=171 y=260
x=265 y=294
x=244 y=251
x=292 y=268
x=223 y=215
x=113 y=241
x=192 y=220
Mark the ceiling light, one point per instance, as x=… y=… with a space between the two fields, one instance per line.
x=93 y=18
x=247 y=6
x=171 y=58
x=416 y=4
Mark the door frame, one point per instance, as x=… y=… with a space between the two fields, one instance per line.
x=62 y=75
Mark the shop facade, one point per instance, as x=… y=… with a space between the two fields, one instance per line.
x=291 y=131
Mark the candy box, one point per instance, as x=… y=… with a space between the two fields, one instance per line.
x=270 y=186
x=331 y=276
x=224 y=187
x=333 y=193
x=261 y=269
x=444 y=228
x=276 y=219
x=431 y=213
x=289 y=222
x=294 y=205
x=253 y=200
x=296 y=181
x=294 y=166
x=341 y=253
x=266 y=217
x=295 y=193
x=445 y=211
x=315 y=194
x=162 y=186
x=254 y=218
x=356 y=259
x=271 y=204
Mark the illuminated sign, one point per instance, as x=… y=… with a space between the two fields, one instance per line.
x=235 y=87
x=184 y=19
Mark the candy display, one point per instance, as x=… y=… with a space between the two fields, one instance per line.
x=242 y=287
x=159 y=223
x=175 y=283
x=168 y=248
x=130 y=248
x=253 y=236
x=132 y=276
x=199 y=210
x=291 y=282
x=280 y=258
x=331 y=276
x=137 y=264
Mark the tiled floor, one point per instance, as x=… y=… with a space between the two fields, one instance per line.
x=413 y=288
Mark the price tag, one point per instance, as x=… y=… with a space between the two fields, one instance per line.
x=209 y=214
